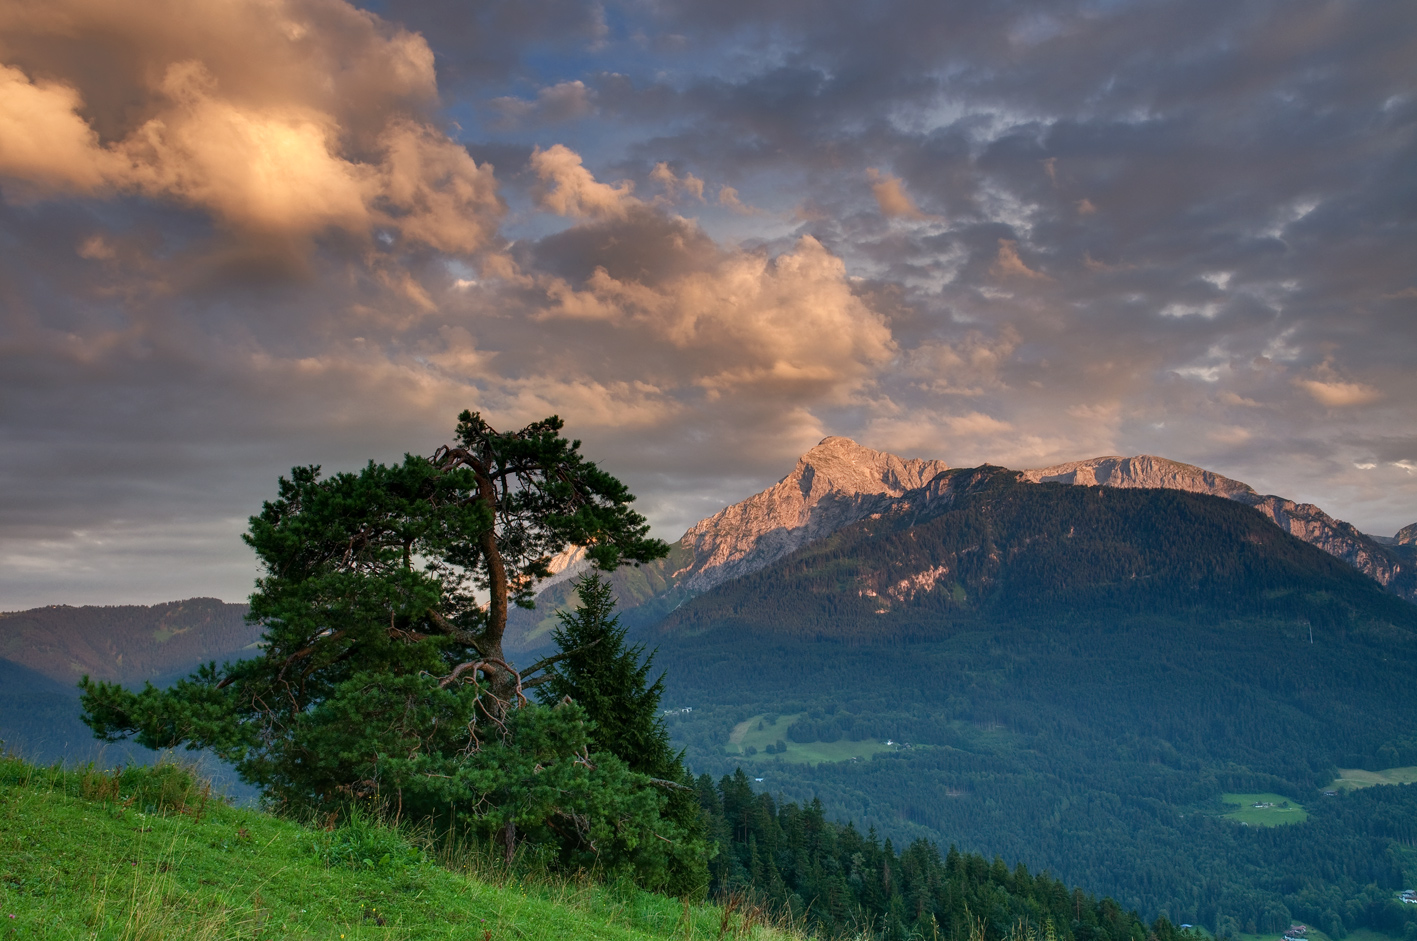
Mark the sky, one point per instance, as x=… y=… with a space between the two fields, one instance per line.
x=242 y=235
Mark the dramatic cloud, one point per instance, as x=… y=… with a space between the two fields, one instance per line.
x=246 y=234
x=569 y=189
x=322 y=121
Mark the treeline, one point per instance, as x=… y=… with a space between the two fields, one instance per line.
x=840 y=881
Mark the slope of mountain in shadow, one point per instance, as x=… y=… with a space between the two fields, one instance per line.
x=126 y=643
x=44 y=651
x=1081 y=673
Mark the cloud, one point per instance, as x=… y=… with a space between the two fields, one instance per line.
x=891 y=196
x=322 y=123
x=673 y=185
x=1008 y=265
x=728 y=197
x=751 y=320
x=568 y=188
x=44 y=141
x=563 y=101
x=1336 y=394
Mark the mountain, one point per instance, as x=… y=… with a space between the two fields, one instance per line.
x=834 y=484
x=988 y=543
x=44 y=651
x=125 y=643
x=1406 y=536
x=840 y=482
x=1079 y=678
x=1304 y=520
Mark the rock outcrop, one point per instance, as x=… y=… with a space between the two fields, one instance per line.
x=1406 y=536
x=833 y=485
x=1144 y=470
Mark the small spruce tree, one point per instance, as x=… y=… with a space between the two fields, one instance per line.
x=609 y=680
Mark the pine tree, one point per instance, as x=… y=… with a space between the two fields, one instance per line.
x=382 y=676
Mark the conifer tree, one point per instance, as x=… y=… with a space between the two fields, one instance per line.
x=609 y=679
x=382 y=675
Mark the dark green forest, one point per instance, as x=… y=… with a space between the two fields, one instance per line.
x=843 y=881
x=1089 y=673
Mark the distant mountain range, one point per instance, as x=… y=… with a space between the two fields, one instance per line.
x=1080 y=673
x=125 y=643
x=840 y=482
x=44 y=652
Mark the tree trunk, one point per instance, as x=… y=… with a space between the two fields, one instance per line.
x=507 y=836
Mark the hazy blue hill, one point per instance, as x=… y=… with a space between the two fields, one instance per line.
x=46 y=650
x=127 y=643
x=1085 y=675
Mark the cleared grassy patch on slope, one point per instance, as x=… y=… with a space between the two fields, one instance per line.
x=145 y=854
x=1351 y=779
x=747 y=735
x=1264 y=810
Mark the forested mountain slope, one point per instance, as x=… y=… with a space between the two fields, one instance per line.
x=1081 y=673
x=125 y=643
x=44 y=651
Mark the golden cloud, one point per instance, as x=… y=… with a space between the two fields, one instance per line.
x=891 y=196
x=567 y=188
x=1009 y=265
x=1337 y=394
x=284 y=117
x=787 y=321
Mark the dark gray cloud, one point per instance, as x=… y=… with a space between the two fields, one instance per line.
x=714 y=233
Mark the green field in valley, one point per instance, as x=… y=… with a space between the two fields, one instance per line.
x=1264 y=810
x=748 y=735
x=1350 y=779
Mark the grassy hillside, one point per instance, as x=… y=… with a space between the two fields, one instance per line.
x=146 y=854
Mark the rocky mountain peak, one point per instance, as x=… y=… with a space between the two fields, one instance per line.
x=1406 y=536
x=1143 y=470
x=834 y=484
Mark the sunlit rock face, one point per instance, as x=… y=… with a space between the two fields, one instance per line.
x=833 y=485
x=1407 y=536
x=1144 y=470
x=839 y=482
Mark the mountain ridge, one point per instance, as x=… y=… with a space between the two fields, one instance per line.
x=839 y=482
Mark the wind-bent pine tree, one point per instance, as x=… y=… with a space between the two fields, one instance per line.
x=383 y=673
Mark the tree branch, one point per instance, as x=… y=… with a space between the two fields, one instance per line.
x=547 y=661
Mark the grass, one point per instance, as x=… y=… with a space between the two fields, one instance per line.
x=148 y=855
x=1356 y=934
x=1281 y=811
x=1351 y=779
x=747 y=733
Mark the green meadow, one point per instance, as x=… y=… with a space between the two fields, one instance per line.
x=147 y=854
x=1351 y=779
x=1274 y=810
x=759 y=732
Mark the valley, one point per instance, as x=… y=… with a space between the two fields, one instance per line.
x=1099 y=670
